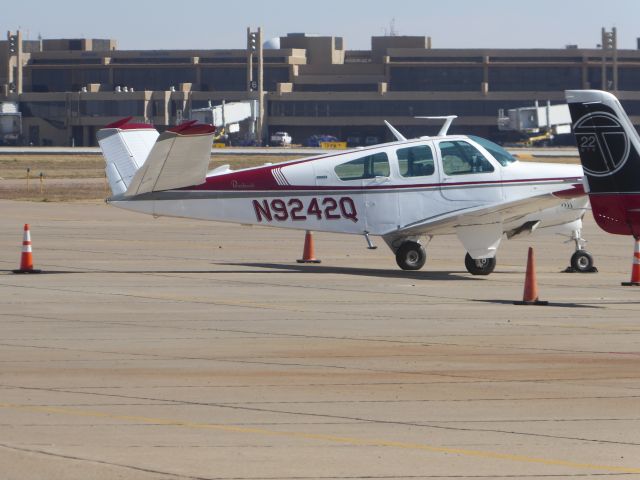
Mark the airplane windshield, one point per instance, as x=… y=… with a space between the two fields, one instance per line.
x=499 y=153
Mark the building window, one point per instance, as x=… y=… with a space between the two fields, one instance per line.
x=153 y=78
x=388 y=108
x=628 y=78
x=46 y=110
x=112 y=108
x=534 y=79
x=436 y=79
x=224 y=79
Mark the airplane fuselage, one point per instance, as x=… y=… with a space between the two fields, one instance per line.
x=334 y=193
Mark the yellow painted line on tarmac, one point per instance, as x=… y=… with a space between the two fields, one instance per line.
x=326 y=438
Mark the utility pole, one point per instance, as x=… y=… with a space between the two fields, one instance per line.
x=614 y=35
x=19 y=64
x=14 y=61
x=260 y=126
x=254 y=46
x=609 y=44
x=251 y=46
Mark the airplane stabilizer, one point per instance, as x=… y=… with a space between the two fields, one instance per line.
x=609 y=148
x=179 y=158
x=125 y=147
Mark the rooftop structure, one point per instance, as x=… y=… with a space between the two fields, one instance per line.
x=69 y=88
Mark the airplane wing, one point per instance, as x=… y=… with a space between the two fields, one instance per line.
x=504 y=213
x=179 y=158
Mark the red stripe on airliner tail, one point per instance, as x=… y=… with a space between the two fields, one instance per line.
x=617 y=213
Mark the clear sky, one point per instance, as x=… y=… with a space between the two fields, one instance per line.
x=208 y=24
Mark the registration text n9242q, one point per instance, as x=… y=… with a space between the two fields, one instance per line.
x=296 y=209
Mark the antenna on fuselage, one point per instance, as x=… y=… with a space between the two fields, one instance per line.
x=396 y=133
x=448 y=120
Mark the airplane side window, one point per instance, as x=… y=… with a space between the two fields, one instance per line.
x=353 y=170
x=462 y=158
x=380 y=164
x=376 y=165
x=415 y=161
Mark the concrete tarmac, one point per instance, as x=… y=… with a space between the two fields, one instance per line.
x=179 y=349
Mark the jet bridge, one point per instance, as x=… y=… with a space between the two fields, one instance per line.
x=538 y=122
x=227 y=116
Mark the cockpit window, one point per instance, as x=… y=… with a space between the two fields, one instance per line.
x=461 y=158
x=415 y=161
x=371 y=166
x=499 y=153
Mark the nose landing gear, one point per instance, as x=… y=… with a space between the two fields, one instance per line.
x=581 y=260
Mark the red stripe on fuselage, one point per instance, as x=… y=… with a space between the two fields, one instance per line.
x=263 y=179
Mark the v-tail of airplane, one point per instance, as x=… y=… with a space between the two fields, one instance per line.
x=140 y=160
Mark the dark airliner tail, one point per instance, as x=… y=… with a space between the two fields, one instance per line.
x=609 y=148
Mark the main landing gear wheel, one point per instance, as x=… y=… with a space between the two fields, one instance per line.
x=481 y=266
x=582 y=261
x=411 y=256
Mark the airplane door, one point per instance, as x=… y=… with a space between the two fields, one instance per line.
x=467 y=174
x=368 y=179
x=418 y=174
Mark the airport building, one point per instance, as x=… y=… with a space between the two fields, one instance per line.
x=66 y=89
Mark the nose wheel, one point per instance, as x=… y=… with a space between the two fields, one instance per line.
x=581 y=260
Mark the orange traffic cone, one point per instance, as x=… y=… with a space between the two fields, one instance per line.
x=308 y=254
x=530 y=296
x=635 y=267
x=26 y=259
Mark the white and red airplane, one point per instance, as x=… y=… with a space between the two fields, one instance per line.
x=405 y=191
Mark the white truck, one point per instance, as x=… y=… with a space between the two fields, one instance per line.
x=280 y=139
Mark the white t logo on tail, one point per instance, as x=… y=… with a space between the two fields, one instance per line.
x=601 y=136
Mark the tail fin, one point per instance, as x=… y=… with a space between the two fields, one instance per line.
x=609 y=148
x=125 y=147
x=179 y=158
